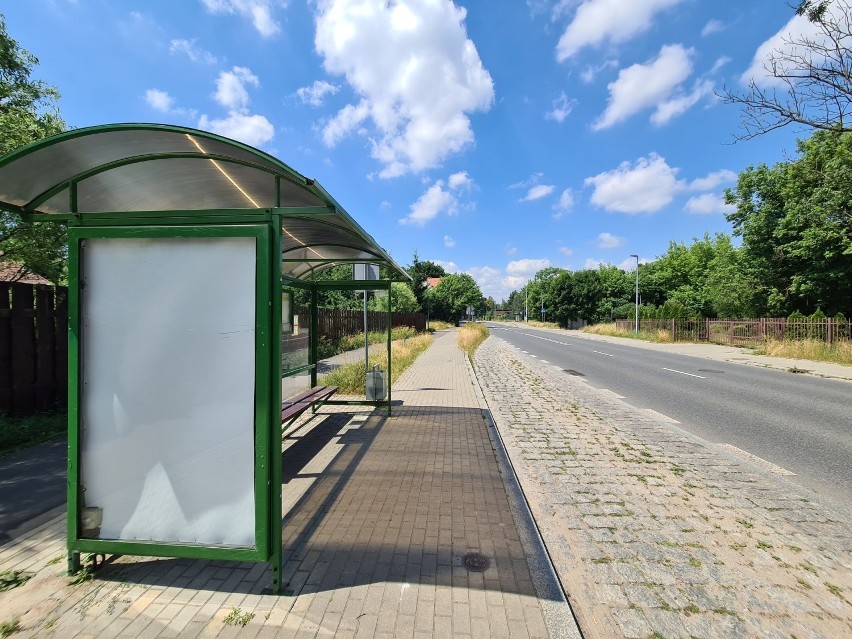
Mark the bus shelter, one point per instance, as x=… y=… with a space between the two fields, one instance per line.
x=183 y=251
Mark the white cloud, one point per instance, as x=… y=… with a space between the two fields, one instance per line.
x=251 y=129
x=526 y=267
x=712 y=180
x=681 y=103
x=565 y=204
x=592 y=264
x=231 y=90
x=511 y=250
x=645 y=187
x=589 y=74
x=642 y=86
x=562 y=107
x=566 y=251
x=537 y=192
x=345 y=121
x=159 y=100
x=190 y=50
x=315 y=93
x=427 y=207
x=598 y=21
x=712 y=26
x=449 y=242
x=720 y=62
x=416 y=71
x=241 y=125
x=449 y=267
x=258 y=11
x=460 y=181
x=609 y=241
x=707 y=204
x=437 y=199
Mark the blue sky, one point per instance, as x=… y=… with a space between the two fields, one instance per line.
x=495 y=138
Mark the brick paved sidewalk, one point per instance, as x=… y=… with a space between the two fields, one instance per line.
x=379 y=513
x=655 y=533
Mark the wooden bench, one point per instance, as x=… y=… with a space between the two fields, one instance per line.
x=294 y=406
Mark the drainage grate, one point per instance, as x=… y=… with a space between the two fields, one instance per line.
x=571 y=371
x=475 y=562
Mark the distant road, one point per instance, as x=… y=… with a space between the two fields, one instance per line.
x=801 y=424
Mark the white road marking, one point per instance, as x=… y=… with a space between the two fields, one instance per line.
x=660 y=416
x=757 y=461
x=600 y=353
x=544 y=361
x=682 y=373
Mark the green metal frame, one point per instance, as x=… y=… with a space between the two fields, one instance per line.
x=267 y=457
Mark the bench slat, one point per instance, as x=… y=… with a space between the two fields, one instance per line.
x=295 y=406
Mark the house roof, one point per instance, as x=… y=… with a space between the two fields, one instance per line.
x=15 y=272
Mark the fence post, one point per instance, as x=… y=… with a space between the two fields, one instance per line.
x=6 y=394
x=830 y=330
x=23 y=349
x=46 y=350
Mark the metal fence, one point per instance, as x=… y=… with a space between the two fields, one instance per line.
x=745 y=332
x=33 y=348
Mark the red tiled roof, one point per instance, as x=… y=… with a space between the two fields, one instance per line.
x=14 y=272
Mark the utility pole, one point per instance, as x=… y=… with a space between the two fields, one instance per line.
x=637 y=293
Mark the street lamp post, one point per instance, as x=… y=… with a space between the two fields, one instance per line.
x=637 y=293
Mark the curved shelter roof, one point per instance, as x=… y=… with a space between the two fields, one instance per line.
x=133 y=169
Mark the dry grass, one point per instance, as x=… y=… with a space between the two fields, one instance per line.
x=470 y=336
x=351 y=378
x=811 y=349
x=660 y=335
x=438 y=325
x=537 y=324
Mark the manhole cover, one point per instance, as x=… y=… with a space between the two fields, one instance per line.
x=571 y=371
x=475 y=562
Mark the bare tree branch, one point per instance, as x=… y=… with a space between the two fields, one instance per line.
x=809 y=78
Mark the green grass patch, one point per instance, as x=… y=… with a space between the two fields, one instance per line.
x=12 y=579
x=8 y=628
x=351 y=378
x=470 y=336
x=238 y=618
x=22 y=432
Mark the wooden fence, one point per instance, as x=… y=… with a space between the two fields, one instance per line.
x=745 y=332
x=33 y=348
x=334 y=323
x=34 y=343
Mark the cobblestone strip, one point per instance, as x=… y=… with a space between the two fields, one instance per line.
x=655 y=533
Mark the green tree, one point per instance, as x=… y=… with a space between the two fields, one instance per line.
x=449 y=300
x=402 y=300
x=28 y=112
x=419 y=271
x=795 y=220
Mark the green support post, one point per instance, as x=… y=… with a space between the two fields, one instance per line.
x=390 y=329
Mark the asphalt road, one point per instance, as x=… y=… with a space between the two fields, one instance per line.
x=799 y=423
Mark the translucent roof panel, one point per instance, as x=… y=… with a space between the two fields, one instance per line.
x=136 y=168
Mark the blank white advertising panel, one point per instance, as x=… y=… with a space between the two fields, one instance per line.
x=168 y=396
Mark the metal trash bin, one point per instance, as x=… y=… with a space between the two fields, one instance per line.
x=377 y=389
